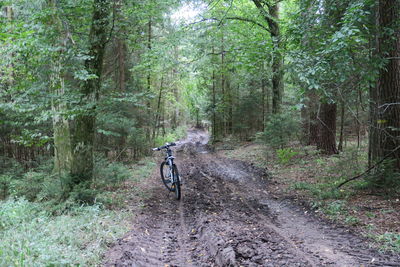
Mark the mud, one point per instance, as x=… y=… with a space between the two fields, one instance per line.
x=227 y=217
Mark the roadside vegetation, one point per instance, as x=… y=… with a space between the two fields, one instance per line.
x=37 y=229
x=307 y=177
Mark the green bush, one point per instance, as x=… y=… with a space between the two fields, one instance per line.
x=285 y=155
x=29 y=186
x=11 y=167
x=109 y=175
x=83 y=193
x=385 y=178
x=5 y=183
x=280 y=129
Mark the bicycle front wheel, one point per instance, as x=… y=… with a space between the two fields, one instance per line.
x=177 y=182
x=166 y=177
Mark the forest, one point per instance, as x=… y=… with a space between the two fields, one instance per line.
x=305 y=91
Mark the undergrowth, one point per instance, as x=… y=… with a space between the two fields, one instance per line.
x=30 y=236
x=39 y=228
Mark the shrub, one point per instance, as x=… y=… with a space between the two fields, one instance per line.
x=280 y=129
x=109 y=175
x=29 y=186
x=82 y=193
x=385 y=178
x=5 y=182
x=285 y=155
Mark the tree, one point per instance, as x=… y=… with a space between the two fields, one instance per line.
x=270 y=12
x=385 y=97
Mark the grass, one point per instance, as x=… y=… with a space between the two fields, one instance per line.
x=389 y=241
x=120 y=195
x=31 y=235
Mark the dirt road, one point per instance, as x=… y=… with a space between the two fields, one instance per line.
x=227 y=218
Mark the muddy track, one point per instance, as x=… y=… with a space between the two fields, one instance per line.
x=227 y=218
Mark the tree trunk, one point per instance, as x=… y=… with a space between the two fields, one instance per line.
x=61 y=128
x=214 y=115
x=271 y=17
x=223 y=80
x=263 y=89
x=62 y=138
x=385 y=98
x=158 y=112
x=148 y=103
x=83 y=127
x=314 y=123
x=305 y=123
x=340 y=146
x=230 y=107
x=327 y=120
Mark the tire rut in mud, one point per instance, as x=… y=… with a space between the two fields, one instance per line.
x=309 y=239
x=227 y=218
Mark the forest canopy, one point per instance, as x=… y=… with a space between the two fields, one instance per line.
x=112 y=78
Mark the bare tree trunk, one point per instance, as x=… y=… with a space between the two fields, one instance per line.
x=158 y=112
x=230 y=107
x=340 y=146
x=327 y=119
x=314 y=123
x=263 y=103
x=214 y=116
x=62 y=136
x=305 y=123
x=83 y=127
x=272 y=17
x=385 y=110
x=148 y=103
x=214 y=104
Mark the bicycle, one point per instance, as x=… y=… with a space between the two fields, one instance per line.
x=169 y=171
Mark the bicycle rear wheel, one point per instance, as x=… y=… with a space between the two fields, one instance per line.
x=177 y=182
x=166 y=176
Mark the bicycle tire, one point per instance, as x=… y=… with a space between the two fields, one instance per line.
x=164 y=167
x=177 y=183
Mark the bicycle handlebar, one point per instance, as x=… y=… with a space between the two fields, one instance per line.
x=167 y=145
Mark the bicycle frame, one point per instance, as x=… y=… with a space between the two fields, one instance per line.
x=169 y=160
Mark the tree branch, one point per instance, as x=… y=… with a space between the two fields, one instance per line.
x=369 y=169
x=249 y=20
x=264 y=13
x=231 y=18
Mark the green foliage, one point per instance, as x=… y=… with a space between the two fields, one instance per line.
x=43 y=185
x=285 y=155
x=5 y=184
x=320 y=191
x=40 y=186
x=280 y=129
x=117 y=197
x=142 y=169
x=173 y=136
x=108 y=175
x=30 y=185
x=385 y=178
x=31 y=237
x=391 y=241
